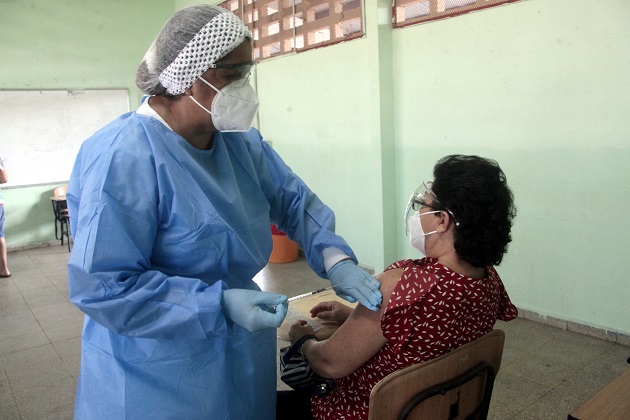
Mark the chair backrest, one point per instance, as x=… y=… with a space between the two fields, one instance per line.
x=60 y=191
x=456 y=385
x=60 y=207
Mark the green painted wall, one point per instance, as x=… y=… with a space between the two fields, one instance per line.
x=541 y=86
x=544 y=88
x=318 y=118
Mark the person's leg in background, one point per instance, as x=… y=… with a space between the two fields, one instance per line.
x=4 y=268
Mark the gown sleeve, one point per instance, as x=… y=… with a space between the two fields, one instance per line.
x=296 y=210
x=113 y=201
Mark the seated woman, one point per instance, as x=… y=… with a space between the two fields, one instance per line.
x=461 y=221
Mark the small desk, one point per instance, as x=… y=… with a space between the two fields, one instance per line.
x=301 y=309
x=611 y=402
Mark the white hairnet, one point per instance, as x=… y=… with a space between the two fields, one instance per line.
x=192 y=39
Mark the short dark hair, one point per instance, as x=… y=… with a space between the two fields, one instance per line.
x=475 y=190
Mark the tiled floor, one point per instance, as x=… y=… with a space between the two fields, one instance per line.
x=546 y=372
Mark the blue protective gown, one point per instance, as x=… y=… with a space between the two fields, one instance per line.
x=160 y=229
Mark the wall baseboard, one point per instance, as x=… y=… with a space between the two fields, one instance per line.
x=613 y=336
x=35 y=245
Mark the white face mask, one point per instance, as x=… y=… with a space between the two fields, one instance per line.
x=233 y=107
x=416 y=234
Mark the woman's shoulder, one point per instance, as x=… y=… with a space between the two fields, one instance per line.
x=410 y=281
x=389 y=280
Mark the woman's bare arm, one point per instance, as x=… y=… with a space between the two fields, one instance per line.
x=356 y=341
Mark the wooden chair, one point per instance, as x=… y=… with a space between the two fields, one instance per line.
x=60 y=209
x=456 y=385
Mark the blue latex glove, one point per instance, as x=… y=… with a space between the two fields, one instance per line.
x=253 y=309
x=353 y=283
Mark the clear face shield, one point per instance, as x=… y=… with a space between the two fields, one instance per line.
x=422 y=196
x=416 y=201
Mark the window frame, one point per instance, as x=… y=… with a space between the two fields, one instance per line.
x=434 y=14
x=289 y=38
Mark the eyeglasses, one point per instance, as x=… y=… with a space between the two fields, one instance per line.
x=418 y=200
x=237 y=74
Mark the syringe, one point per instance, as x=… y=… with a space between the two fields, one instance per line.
x=291 y=299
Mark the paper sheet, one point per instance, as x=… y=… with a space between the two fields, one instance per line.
x=301 y=310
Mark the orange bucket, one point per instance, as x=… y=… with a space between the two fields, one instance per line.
x=284 y=249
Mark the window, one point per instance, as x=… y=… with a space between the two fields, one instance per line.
x=284 y=26
x=408 y=12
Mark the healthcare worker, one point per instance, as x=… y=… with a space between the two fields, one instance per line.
x=171 y=208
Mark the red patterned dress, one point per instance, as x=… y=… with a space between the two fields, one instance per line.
x=431 y=311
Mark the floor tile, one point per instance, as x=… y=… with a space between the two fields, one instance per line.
x=525 y=339
x=12 y=305
x=51 y=401
x=19 y=323
x=22 y=342
x=570 y=353
x=8 y=288
x=512 y=353
x=68 y=347
x=501 y=411
x=588 y=381
x=8 y=406
x=517 y=392
x=13 y=362
x=541 y=369
x=45 y=296
x=619 y=351
x=37 y=374
x=64 y=332
x=53 y=316
x=35 y=281
x=73 y=364
x=555 y=405
x=524 y=416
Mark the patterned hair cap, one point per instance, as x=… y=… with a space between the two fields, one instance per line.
x=191 y=40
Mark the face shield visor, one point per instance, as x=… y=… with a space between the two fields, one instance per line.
x=422 y=196
x=419 y=198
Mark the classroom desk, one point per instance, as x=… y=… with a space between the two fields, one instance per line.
x=300 y=309
x=612 y=402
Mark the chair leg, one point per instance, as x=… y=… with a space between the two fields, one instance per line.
x=63 y=225
x=69 y=239
x=68 y=235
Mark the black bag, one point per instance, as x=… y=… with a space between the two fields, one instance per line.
x=296 y=372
